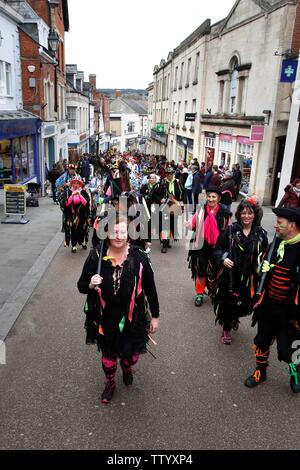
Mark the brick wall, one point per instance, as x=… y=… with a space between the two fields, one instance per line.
x=41 y=7
x=296 y=35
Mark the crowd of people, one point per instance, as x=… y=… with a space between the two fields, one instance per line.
x=230 y=262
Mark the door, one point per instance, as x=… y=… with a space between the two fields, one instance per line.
x=51 y=153
x=280 y=145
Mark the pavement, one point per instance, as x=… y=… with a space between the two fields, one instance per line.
x=26 y=251
x=25 y=254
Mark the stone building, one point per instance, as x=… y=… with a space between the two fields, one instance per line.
x=226 y=103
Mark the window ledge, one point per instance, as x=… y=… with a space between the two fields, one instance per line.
x=195 y=82
x=186 y=85
x=180 y=87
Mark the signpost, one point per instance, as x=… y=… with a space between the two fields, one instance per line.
x=14 y=204
x=190 y=117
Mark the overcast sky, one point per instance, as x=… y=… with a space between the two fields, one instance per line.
x=122 y=40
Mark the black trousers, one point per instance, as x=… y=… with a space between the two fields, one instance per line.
x=273 y=323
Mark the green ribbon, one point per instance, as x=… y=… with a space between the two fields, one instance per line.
x=293 y=372
x=171 y=186
x=122 y=324
x=281 y=248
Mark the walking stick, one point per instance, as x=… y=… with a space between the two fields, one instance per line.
x=269 y=256
x=230 y=274
x=100 y=258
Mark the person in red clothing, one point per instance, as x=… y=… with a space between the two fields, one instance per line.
x=292 y=195
x=77 y=211
x=206 y=224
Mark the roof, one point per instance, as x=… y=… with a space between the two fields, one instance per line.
x=139 y=106
x=19 y=114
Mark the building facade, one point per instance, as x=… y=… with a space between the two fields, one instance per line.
x=228 y=104
x=19 y=129
x=128 y=123
x=79 y=110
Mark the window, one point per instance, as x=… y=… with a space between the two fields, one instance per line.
x=185 y=109
x=210 y=142
x=130 y=126
x=72 y=111
x=233 y=87
x=176 y=78
x=194 y=106
x=30 y=155
x=181 y=75
x=5 y=79
x=187 y=83
x=195 y=81
x=221 y=96
x=178 y=115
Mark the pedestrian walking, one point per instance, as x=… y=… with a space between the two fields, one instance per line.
x=53 y=175
x=238 y=254
x=118 y=297
x=206 y=224
x=291 y=197
x=277 y=311
x=77 y=211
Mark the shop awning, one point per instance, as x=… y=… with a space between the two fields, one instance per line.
x=17 y=124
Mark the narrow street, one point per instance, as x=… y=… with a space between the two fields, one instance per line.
x=190 y=397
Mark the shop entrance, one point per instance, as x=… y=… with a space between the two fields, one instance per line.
x=51 y=153
x=280 y=145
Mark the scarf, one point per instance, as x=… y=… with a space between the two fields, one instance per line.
x=281 y=248
x=296 y=190
x=171 y=186
x=211 y=229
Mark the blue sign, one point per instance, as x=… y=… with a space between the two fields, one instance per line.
x=289 y=71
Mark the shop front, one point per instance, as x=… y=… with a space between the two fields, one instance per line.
x=19 y=148
x=185 y=149
x=209 y=148
x=225 y=149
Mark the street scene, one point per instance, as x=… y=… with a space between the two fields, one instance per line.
x=150 y=232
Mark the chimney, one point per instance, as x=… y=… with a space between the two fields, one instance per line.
x=93 y=80
x=118 y=94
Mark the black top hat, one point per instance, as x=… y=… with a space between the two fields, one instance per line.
x=170 y=170
x=290 y=213
x=214 y=189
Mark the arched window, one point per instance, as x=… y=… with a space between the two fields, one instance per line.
x=233 y=86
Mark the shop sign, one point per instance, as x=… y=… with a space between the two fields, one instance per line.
x=226 y=130
x=257 y=133
x=190 y=117
x=212 y=135
x=244 y=140
x=226 y=137
x=14 y=203
x=49 y=130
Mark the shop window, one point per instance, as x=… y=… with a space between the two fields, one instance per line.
x=30 y=148
x=5 y=163
x=17 y=160
x=24 y=163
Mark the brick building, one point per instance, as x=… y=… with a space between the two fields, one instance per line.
x=42 y=50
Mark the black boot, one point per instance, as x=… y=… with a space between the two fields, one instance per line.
x=259 y=376
x=294 y=373
x=164 y=247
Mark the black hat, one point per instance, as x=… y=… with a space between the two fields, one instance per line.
x=214 y=189
x=170 y=170
x=290 y=213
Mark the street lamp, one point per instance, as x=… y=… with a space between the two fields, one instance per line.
x=53 y=40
